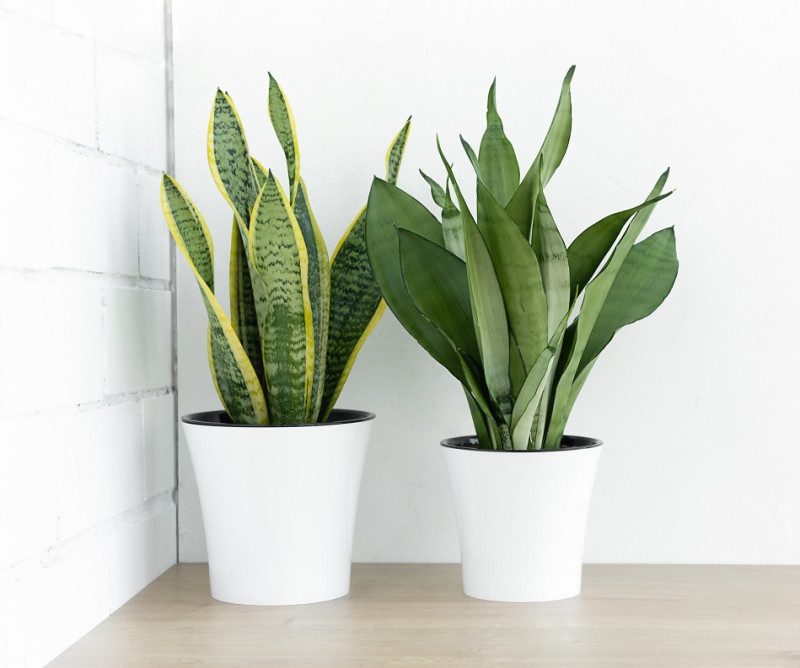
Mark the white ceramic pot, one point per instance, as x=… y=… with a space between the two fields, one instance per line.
x=522 y=517
x=279 y=505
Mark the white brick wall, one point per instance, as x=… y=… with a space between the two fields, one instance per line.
x=86 y=390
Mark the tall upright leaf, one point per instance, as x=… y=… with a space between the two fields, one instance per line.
x=519 y=275
x=497 y=160
x=319 y=292
x=549 y=157
x=278 y=253
x=554 y=264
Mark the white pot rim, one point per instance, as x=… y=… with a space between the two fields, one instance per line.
x=568 y=444
x=218 y=418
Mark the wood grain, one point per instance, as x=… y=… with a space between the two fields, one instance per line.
x=416 y=615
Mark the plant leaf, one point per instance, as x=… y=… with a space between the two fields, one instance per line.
x=394 y=155
x=549 y=157
x=595 y=297
x=278 y=254
x=425 y=264
x=488 y=315
x=356 y=302
x=589 y=248
x=233 y=374
x=437 y=192
x=497 y=162
x=390 y=208
x=319 y=292
x=553 y=262
x=644 y=280
x=244 y=319
x=518 y=272
x=229 y=159
x=280 y=113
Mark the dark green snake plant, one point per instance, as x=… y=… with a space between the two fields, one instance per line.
x=297 y=318
x=496 y=298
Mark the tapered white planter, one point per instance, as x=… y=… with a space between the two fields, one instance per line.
x=279 y=505
x=522 y=517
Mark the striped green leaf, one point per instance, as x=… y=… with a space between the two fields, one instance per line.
x=394 y=156
x=244 y=319
x=319 y=292
x=234 y=376
x=283 y=123
x=278 y=254
x=497 y=161
x=425 y=264
x=356 y=303
x=229 y=159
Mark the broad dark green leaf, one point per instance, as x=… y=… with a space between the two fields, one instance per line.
x=390 y=208
x=592 y=245
x=497 y=162
x=436 y=282
x=644 y=280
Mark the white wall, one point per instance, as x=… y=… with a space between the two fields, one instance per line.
x=86 y=401
x=697 y=403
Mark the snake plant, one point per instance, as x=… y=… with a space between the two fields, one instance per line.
x=297 y=318
x=498 y=298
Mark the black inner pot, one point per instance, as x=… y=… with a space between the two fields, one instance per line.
x=567 y=443
x=221 y=419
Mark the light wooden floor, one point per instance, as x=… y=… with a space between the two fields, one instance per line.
x=416 y=615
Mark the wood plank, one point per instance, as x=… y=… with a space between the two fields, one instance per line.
x=417 y=615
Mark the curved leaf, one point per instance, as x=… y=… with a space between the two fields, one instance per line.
x=425 y=264
x=280 y=114
x=390 y=208
x=644 y=280
x=549 y=157
x=234 y=376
